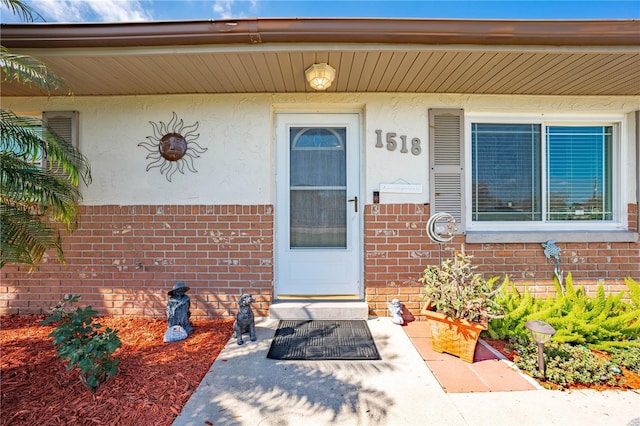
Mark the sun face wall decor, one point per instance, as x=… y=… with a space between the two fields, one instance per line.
x=173 y=146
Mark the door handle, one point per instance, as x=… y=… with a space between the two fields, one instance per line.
x=354 y=200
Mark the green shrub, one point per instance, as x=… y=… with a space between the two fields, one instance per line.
x=84 y=343
x=516 y=308
x=634 y=290
x=567 y=364
x=598 y=322
x=582 y=322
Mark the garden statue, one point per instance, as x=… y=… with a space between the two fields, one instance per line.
x=178 y=313
x=245 y=322
x=396 y=311
x=552 y=253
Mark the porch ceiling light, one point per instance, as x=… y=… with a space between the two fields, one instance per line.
x=320 y=76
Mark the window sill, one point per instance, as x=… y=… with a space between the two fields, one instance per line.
x=559 y=236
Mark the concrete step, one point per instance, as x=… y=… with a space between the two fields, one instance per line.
x=319 y=310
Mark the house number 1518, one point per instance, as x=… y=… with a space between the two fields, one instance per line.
x=392 y=142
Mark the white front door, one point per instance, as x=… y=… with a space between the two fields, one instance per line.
x=318 y=205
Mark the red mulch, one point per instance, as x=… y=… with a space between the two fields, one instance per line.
x=630 y=380
x=154 y=381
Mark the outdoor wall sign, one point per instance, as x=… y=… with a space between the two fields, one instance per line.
x=401 y=187
x=172 y=146
x=392 y=140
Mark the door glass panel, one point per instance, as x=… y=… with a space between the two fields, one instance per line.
x=317 y=189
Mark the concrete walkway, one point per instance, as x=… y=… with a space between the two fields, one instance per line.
x=243 y=387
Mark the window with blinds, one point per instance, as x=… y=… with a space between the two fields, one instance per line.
x=509 y=172
x=506 y=178
x=579 y=179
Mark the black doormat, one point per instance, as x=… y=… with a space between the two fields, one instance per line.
x=323 y=340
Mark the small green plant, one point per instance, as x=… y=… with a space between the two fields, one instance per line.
x=454 y=289
x=84 y=343
x=628 y=358
x=567 y=365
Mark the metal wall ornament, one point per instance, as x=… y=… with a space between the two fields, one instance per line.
x=441 y=227
x=173 y=146
x=552 y=253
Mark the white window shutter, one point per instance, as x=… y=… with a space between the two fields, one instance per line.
x=64 y=124
x=446 y=161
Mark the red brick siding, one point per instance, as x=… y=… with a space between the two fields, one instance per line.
x=123 y=260
x=397 y=249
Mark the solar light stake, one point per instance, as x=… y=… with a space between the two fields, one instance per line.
x=541 y=333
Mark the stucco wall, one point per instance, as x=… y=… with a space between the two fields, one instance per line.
x=237 y=130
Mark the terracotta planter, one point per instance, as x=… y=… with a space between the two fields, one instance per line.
x=454 y=336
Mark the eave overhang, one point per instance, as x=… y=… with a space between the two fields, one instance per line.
x=269 y=55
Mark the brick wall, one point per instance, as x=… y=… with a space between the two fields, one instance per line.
x=123 y=260
x=397 y=249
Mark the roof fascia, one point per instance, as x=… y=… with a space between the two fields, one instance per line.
x=323 y=30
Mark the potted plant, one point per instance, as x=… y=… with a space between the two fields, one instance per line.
x=459 y=304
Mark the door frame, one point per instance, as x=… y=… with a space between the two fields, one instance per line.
x=320 y=118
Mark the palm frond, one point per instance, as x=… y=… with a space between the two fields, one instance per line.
x=23 y=10
x=27 y=70
x=34 y=199
x=24 y=238
x=63 y=157
x=29 y=187
x=30 y=138
x=20 y=135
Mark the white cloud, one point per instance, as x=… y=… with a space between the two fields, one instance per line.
x=58 y=10
x=222 y=8
x=119 y=10
x=228 y=9
x=92 y=10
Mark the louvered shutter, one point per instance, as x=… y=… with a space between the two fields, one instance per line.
x=64 y=124
x=446 y=161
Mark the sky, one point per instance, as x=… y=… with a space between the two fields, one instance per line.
x=162 y=10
